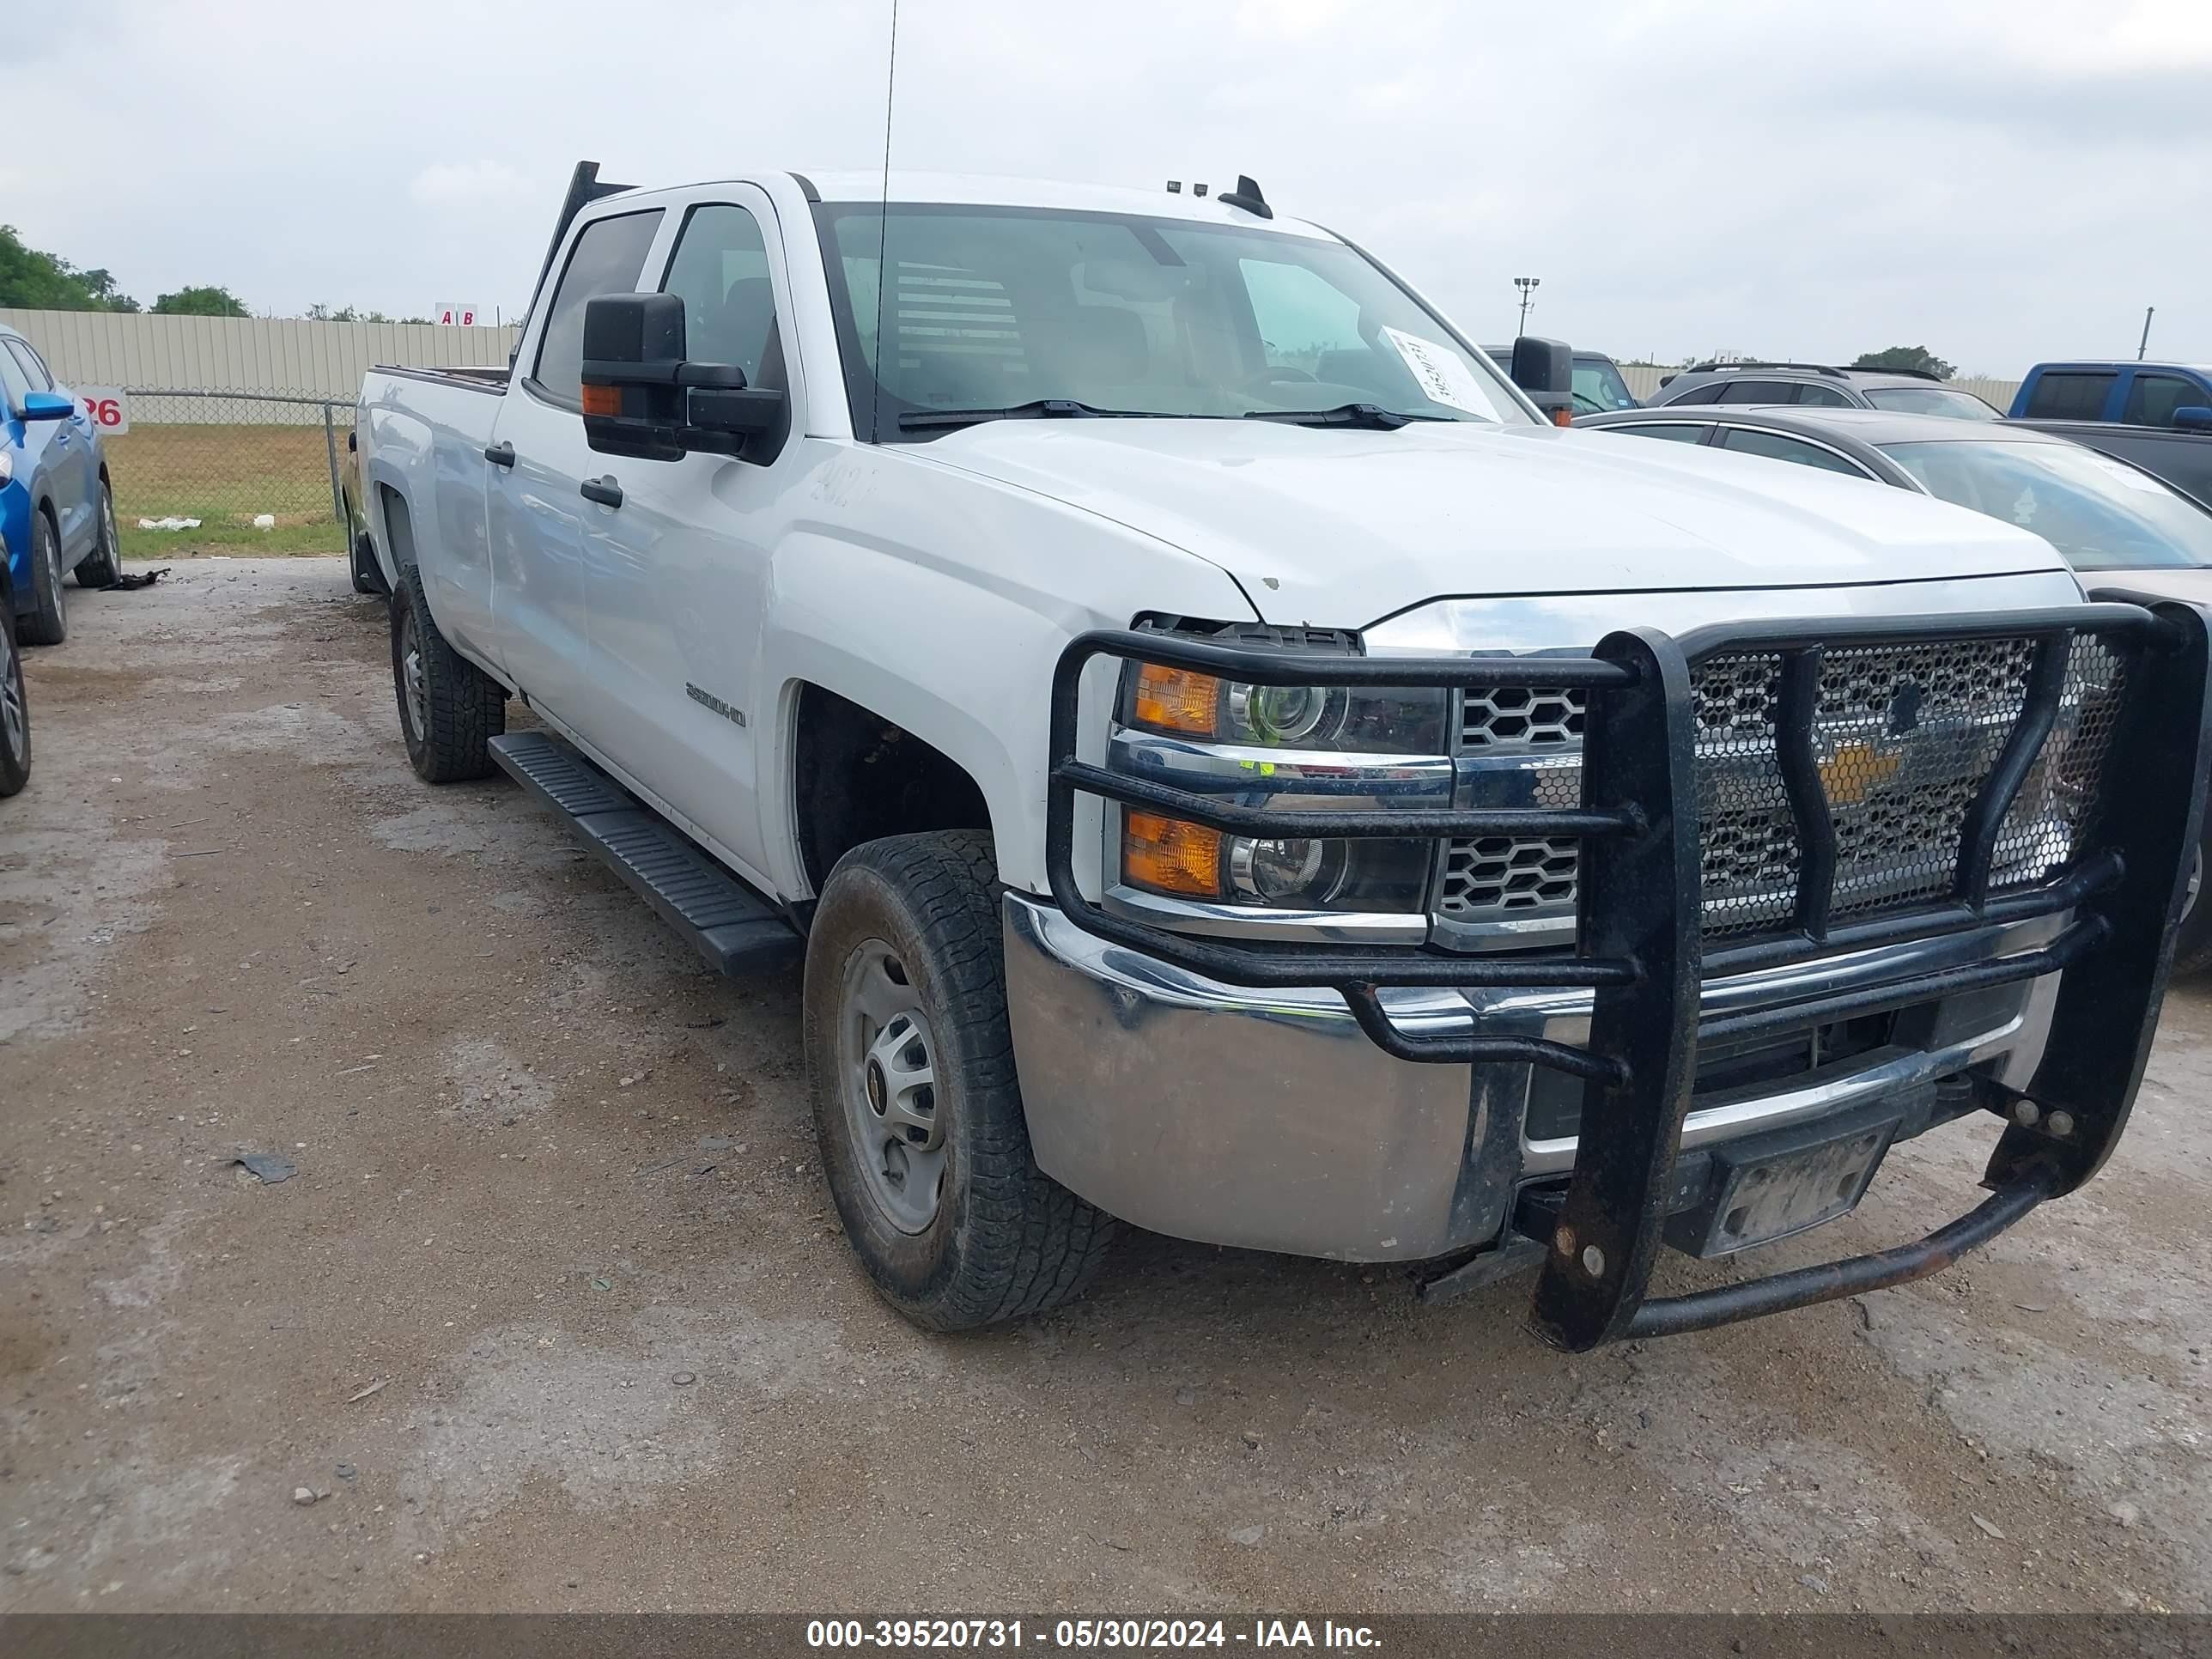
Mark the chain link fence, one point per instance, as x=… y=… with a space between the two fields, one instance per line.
x=258 y=471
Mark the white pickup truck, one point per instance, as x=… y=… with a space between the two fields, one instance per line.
x=1231 y=765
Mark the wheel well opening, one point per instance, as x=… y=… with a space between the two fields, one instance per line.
x=398 y=528
x=862 y=777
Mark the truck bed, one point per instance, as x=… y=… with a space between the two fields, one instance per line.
x=492 y=380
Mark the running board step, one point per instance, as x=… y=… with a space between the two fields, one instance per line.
x=736 y=929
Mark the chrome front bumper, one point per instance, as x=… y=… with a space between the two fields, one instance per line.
x=1268 y=1119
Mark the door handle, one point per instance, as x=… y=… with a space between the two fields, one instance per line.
x=501 y=454
x=605 y=491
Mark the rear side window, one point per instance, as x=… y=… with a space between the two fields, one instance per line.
x=2070 y=395
x=721 y=273
x=1775 y=446
x=1708 y=393
x=1754 y=392
x=606 y=259
x=2152 y=399
x=33 y=368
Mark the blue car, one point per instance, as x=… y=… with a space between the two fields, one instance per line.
x=57 y=511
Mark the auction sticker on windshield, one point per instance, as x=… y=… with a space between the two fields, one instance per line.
x=1444 y=375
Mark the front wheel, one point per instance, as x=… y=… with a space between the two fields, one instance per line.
x=2192 y=938
x=48 y=621
x=102 y=565
x=14 y=711
x=917 y=1108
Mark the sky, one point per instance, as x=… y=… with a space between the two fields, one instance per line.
x=2001 y=181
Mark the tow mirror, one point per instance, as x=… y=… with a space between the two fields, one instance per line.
x=1545 y=370
x=643 y=397
x=2193 y=417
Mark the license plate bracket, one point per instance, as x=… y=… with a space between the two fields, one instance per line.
x=1771 y=1185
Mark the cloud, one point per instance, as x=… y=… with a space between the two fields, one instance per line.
x=2000 y=179
x=464 y=184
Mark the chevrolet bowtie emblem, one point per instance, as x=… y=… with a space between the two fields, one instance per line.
x=1851 y=775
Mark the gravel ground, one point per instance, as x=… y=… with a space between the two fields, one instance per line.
x=554 y=1313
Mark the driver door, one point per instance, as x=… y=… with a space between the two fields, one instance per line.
x=676 y=581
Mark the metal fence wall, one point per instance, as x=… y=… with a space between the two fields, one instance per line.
x=245 y=354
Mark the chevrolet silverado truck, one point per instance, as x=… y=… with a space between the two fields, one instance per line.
x=1230 y=766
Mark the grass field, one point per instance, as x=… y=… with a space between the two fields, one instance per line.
x=223 y=476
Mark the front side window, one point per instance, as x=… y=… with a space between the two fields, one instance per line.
x=2099 y=513
x=1775 y=446
x=990 y=308
x=720 y=270
x=607 y=258
x=34 y=368
x=1823 y=397
x=1932 y=400
x=12 y=381
x=1755 y=391
x=2152 y=399
x=2070 y=395
x=1598 y=385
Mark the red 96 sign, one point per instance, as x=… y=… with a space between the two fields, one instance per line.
x=105 y=407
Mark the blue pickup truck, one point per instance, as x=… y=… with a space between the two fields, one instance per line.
x=2134 y=394
x=57 y=511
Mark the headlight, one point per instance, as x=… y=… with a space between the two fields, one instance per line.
x=1338 y=746
x=7 y=467
x=1389 y=719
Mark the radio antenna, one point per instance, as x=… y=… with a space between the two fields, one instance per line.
x=883 y=226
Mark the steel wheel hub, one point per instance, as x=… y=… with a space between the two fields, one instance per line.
x=888 y=1080
x=411 y=678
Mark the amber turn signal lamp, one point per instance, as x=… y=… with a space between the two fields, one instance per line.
x=1177 y=700
x=603 y=400
x=1171 y=856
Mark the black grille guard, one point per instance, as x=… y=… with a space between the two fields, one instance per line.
x=1639 y=945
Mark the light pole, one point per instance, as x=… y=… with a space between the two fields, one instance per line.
x=1527 y=285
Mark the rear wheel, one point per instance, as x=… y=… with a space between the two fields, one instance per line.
x=48 y=621
x=102 y=565
x=449 y=709
x=917 y=1110
x=14 y=711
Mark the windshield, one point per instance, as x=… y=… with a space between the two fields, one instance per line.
x=1931 y=400
x=1598 y=385
x=2101 y=514
x=994 y=309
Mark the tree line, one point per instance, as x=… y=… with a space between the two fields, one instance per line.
x=32 y=279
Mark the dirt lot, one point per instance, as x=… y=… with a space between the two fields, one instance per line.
x=553 y=1314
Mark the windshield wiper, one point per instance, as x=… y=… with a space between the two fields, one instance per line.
x=1039 y=408
x=1373 y=416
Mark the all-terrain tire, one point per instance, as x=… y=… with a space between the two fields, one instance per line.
x=1005 y=1239
x=100 y=566
x=449 y=709
x=47 y=620
x=14 y=709
x=2192 y=937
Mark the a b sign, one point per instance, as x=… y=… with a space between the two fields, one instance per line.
x=106 y=409
x=455 y=316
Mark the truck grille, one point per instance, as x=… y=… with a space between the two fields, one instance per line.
x=1904 y=736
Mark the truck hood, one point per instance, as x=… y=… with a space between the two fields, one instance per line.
x=1340 y=528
